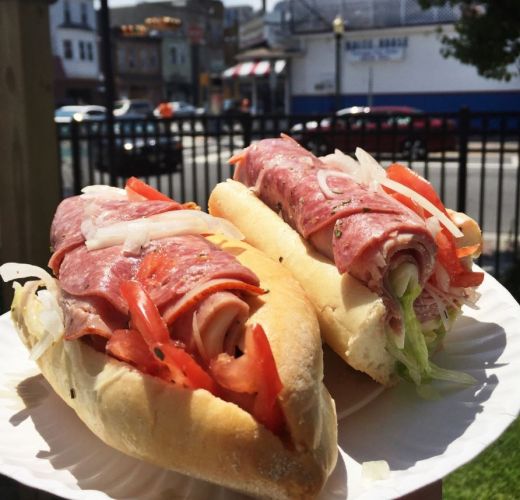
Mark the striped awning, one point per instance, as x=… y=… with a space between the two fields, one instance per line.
x=251 y=69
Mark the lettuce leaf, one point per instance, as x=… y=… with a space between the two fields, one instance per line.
x=412 y=359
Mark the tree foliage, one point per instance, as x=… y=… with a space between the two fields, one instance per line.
x=487 y=36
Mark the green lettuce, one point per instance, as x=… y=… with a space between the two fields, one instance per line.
x=412 y=358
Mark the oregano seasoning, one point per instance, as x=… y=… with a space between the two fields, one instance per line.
x=337 y=233
x=159 y=353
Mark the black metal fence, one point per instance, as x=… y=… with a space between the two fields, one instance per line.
x=471 y=158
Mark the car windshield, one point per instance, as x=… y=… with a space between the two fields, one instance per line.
x=65 y=112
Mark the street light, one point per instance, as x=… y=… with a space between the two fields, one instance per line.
x=338 y=27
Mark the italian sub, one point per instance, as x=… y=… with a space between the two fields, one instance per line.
x=385 y=264
x=179 y=344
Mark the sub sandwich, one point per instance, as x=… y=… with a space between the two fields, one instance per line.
x=385 y=264
x=179 y=344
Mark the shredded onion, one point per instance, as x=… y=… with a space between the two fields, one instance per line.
x=133 y=234
x=424 y=203
x=13 y=270
x=372 y=174
x=443 y=312
x=433 y=225
x=101 y=191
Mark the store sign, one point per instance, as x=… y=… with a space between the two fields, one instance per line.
x=377 y=49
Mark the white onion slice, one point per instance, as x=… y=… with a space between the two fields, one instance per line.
x=322 y=176
x=424 y=203
x=102 y=191
x=13 y=270
x=375 y=470
x=373 y=173
x=433 y=225
x=159 y=226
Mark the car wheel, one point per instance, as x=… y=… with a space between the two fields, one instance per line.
x=414 y=149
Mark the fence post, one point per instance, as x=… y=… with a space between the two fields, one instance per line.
x=462 y=177
x=247 y=127
x=76 y=156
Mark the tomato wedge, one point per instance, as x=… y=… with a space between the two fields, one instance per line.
x=145 y=316
x=253 y=372
x=447 y=252
x=129 y=346
x=447 y=255
x=419 y=184
x=137 y=190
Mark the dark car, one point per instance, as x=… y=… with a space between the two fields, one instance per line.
x=140 y=148
x=397 y=129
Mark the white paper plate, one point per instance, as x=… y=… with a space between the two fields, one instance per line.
x=43 y=444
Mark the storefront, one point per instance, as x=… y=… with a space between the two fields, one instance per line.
x=264 y=82
x=393 y=66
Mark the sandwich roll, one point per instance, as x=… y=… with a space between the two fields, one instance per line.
x=222 y=382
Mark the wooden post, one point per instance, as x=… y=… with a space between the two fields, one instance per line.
x=29 y=171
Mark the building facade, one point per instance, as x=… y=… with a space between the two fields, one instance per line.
x=390 y=54
x=137 y=66
x=75 y=51
x=193 y=53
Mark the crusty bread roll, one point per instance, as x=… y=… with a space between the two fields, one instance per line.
x=351 y=317
x=194 y=432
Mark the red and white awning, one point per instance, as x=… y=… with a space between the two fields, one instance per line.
x=251 y=69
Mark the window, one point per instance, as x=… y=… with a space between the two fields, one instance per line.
x=68 y=52
x=84 y=14
x=82 y=50
x=66 y=12
x=131 y=58
x=173 y=54
x=90 y=51
x=152 y=60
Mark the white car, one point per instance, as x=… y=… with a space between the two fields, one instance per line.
x=67 y=114
x=133 y=108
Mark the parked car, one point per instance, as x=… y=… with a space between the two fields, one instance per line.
x=397 y=129
x=179 y=109
x=67 y=114
x=140 y=148
x=136 y=108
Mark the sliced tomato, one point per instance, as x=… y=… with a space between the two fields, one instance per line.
x=407 y=202
x=137 y=189
x=267 y=409
x=254 y=372
x=447 y=255
x=412 y=180
x=467 y=279
x=447 y=252
x=184 y=368
x=129 y=346
x=144 y=313
x=147 y=320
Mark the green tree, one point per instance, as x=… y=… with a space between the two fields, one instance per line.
x=487 y=36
